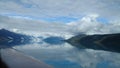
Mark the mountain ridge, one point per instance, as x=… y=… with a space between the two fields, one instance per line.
x=107 y=42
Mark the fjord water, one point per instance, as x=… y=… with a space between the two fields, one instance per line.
x=64 y=55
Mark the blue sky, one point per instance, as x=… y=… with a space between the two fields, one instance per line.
x=48 y=19
x=55 y=19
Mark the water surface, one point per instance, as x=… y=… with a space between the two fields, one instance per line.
x=67 y=56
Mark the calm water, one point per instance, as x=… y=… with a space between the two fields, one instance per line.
x=67 y=56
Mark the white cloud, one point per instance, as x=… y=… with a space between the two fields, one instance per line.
x=87 y=25
x=55 y=8
x=90 y=25
x=34 y=27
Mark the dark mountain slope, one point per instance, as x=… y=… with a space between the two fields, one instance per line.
x=108 y=42
x=11 y=38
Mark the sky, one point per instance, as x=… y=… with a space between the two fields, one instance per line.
x=75 y=16
x=60 y=10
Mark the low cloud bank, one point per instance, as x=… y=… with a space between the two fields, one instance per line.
x=88 y=25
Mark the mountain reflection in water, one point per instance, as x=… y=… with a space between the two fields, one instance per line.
x=67 y=56
x=60 y=54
